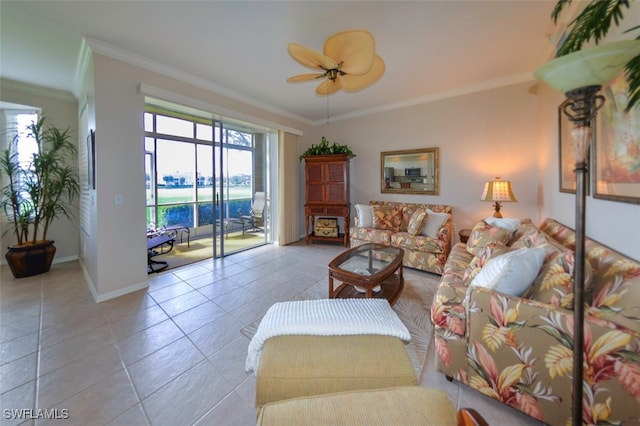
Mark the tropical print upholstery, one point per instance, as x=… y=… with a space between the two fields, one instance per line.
x=369 y=235
x=420 y=251
x=416 y=222
x=387 y=218
x=519 y=350
x=483 y=234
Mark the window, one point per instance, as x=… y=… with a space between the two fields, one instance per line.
x=193 y=164
x=18 y=137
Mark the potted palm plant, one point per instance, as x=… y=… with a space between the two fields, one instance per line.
x=37 y=192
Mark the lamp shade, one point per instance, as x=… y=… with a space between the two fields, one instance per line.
x=498 y=190
x=594 y=66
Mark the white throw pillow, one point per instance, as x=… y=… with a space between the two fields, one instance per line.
x=365 y=215
x=511 y=273
x=508 y=223
x=433 y=223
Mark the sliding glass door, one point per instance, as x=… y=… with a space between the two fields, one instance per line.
x=203 y=175
x=239 y=175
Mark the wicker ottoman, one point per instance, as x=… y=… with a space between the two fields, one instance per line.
x=300 y=365
x=406 y=406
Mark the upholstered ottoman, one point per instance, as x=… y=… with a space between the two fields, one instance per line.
x=406 y=406
x=299 y=365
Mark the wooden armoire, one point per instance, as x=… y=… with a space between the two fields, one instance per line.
x=327 y=193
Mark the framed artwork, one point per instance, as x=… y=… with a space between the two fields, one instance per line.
x=617 y=151
x=566 y=157
x=91 y=160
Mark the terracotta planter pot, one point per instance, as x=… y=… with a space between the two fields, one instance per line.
x=31 y=259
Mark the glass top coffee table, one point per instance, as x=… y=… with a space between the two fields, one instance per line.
x=366 y=271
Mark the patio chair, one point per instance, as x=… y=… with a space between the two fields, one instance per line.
x=157 y=245
x=256 y=216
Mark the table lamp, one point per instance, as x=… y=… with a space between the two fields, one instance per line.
x=498 y=191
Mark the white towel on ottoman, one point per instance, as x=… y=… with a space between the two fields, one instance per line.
x=325 y=317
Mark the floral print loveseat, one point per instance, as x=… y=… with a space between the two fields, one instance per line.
x=518 y=350
x=426 y=239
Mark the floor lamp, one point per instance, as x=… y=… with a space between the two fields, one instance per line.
x=580 y=75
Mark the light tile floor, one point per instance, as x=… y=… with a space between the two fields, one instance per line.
x=169 y=355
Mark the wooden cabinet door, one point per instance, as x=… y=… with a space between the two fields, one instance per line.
x=315 y=193
x=336 y=182
x=335 y=193
x=314 y=176
x=314 y=171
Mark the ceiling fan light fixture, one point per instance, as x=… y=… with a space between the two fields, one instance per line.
x=349 y=62
x=332 y=74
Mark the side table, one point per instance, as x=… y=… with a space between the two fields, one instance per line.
x=464 y=235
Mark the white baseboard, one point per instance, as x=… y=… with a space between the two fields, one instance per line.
x=112 y=294
x=64 y=259
x=116 y=293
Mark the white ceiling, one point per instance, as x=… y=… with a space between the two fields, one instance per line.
x=432 y=49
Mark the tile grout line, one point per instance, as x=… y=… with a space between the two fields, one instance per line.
x=36 y=398
x=126 y=371
x=113 y=342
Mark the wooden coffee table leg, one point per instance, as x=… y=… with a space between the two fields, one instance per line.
x=331 y=295
x=334 y=291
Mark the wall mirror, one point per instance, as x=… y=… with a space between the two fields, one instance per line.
x=412 y=171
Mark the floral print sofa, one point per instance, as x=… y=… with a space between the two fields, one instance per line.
x=425 y=238
x=518 y=350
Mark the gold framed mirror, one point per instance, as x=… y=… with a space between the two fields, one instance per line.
x=411 y=171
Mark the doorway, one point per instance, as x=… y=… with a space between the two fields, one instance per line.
x=202 y=175
x=240 y=164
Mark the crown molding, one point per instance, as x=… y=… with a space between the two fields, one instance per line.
x=82 y=65
x=458 y=91
x=106 y=49
x=33 y=89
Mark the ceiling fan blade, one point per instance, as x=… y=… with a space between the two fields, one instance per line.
x=328 y=87
x=304 y=77
x=310 y=58
x=353 y=83
x=354 y=49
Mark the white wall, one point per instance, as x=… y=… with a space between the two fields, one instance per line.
x=480 y=136
x=88 y=207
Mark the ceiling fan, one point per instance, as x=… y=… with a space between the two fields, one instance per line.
x=349 y=62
